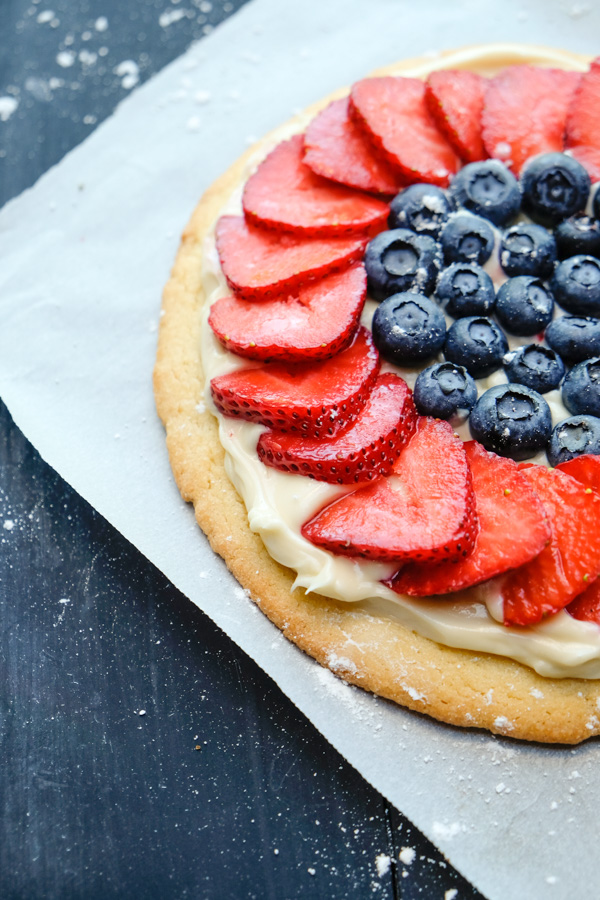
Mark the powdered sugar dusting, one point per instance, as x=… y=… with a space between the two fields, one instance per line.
x=7 y=107
x=407 y=855
x=383 y=863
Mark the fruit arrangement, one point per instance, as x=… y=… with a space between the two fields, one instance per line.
x=464 y=208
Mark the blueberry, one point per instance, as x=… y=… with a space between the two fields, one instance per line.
x=572 y=437
x=596 y=202
x=408 y=328
x=577 y=235
x=476 y=343
x=524 y=305
x=465 y=289
x=487 y=189
x=421 y=207
x=574 y=338
x=555 y=186
x=443 y=389
x=512 y=420
x=538 y=368
x=581 y=388
x=467 y=238
x=400 y=260
x=576 y=285
x=527 y=249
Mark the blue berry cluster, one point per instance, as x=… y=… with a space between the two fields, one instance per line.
x=542 y=233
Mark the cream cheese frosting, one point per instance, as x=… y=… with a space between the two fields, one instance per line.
x=279 y=503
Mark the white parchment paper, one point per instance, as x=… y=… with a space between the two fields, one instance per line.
x=84 y=255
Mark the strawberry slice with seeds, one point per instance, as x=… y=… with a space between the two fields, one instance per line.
x=513 y=529
x=586 y=607
x=336 y=148
x=368 y=449
x=525 y=112
x=585 y=469
x=319 y=399
x=425 y=510
x=285 y=194
x=570 y=561
x=259 y=264
x=455 y=100
x=314 y=322
x=394 y=114
x=583 y=123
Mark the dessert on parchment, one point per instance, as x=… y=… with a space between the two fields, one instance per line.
x=379 y=373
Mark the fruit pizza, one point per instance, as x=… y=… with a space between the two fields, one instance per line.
x=379 y=371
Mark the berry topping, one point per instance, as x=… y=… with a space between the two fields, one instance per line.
x=512 y=420
x=467 y=238
x=572 y=439
x=424 y=511
x=455 y=100
x=476 y=343
x=576 y=285
x=581 y=388
x=586 y=607
x=574 y=338
x=465 y=289
x=395 y=116
x=259 y=264
x=487 y=189
x=421 y=207
x=524 y=305
x=537 y=367
x=570 y=561
x=583 y=126
x=317 y=399
x=369 y=448
x=513 y=529
x=313 y=322
x=443 y=390
x=524 y=112
x=585 y=468
x=578 y=235
x=554 y=187
x=400 y=260
x=335 y=147
x=527 y=249
x=285 y=194
x=408 y=328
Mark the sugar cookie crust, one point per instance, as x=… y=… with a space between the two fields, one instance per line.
x=376 y=653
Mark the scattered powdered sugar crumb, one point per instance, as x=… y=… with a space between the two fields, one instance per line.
x=412 y=692
x=46 y=15
x=343 y=663
x=551 y=879
x=101 y=23
x=311 y=871
x=87 y=57
x=503 y=724
x=383 y=863
x=407 y=855
x=592 y=723
x=489 y=697
x=169 y=16
x=65 y=59
x=9 y=524
x=129 y=73
x=451 y=894
x=447 y=832
x=536 y=693
x=201 y=407
x=7 y=107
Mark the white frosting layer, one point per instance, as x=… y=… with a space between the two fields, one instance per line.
x=278 y=503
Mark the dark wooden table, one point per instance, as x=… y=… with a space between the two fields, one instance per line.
x=142 y=754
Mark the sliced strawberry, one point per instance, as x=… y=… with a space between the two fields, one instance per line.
x=586 y=606
x=395 y=116
x=525 y=111
x=259 y=264
x=314 y=322
x=584 y=468
x=455 y=100
x=335 y=147
x=318 y=399
x=368 y=449
x=513 y=529
x=583 y=123
x=425 y=510
x=570 y=561
x=285 y=194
